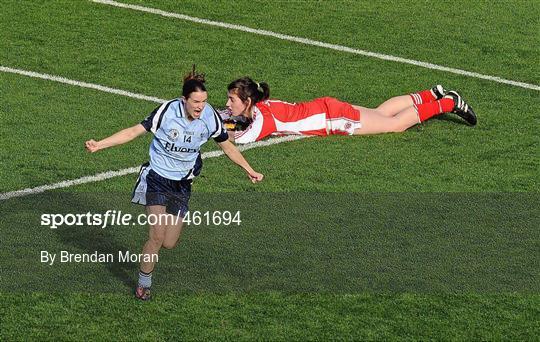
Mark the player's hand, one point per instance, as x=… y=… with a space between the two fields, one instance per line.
x=237 y=123
x=91 y=146
x=255 y=177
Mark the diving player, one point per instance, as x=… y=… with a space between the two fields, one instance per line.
x=327 y=115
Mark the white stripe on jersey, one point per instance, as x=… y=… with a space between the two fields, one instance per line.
x=158 y=115
x=253 y=131
x=311 y=123
x=279 y=101
x=219 y=126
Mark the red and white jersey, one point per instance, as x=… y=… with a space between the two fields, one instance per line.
x=322 y=116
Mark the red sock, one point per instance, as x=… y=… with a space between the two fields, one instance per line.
x=424 y=96
x=428 y=110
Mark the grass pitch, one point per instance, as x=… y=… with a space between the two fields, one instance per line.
x=427 y=234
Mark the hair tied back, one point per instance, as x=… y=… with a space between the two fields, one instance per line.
x=194 y=75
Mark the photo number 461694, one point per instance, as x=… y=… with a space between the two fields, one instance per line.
x=216 y=218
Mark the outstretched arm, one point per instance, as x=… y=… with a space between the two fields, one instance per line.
x=118 y=138
x=234 y=154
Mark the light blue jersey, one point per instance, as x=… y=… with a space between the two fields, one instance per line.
x=175 y=150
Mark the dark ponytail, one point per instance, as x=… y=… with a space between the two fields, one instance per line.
x=245 y=88
x=193 y=82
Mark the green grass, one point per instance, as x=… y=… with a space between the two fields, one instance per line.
x=479 y=36
x=499 y=155
x=293 y=242
x=429 y=234
x=272 y=315
x=47 y=124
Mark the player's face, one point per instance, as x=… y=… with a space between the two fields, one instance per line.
x=195 y=103
x=235 y=105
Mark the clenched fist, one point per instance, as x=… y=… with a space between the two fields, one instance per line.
x=91 y=146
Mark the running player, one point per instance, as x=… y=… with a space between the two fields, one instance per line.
x=327 y=115
x=180 y=127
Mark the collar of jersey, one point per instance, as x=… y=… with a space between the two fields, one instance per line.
x=255 y=111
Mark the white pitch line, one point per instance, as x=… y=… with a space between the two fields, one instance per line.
x=319 y=44
x=81 y=84
x=111 y=174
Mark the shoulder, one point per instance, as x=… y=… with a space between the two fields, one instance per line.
x=208 y=108
x=169 y=107
x=274 y=102
x=209 y=114
x=174 y=105
x=154 y=120
x=260 y=109
x=210 y=117
x=263 y=108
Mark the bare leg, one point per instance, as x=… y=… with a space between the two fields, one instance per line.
x=373 y=122
x=395 y=105
x=160 y=235
x=392 y=106
x=174 y=229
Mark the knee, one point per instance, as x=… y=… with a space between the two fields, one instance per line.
x=380 y=110
x=155 y=242
x=383 y=112
x=169 y=244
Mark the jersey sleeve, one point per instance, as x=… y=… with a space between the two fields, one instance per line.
x=153 y=120
x=259 y=129
x=220 y=134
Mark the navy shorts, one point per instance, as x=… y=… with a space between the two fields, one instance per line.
x=153 y=189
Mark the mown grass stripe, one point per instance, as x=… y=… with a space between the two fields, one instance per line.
x=81 y=84
x=111 y=174
x=320 y=44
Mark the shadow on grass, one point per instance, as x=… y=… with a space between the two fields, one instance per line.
x=101 y=240
x=293 y=242
x=26 y=237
